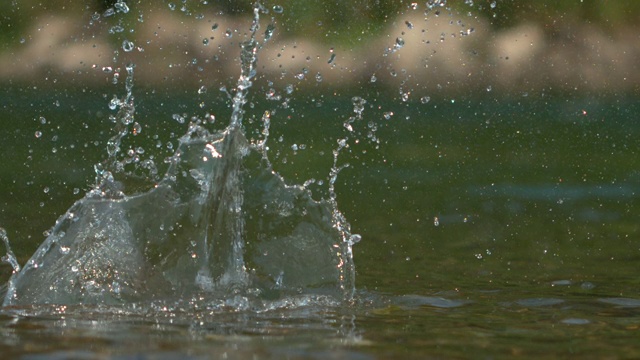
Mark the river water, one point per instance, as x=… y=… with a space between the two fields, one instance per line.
x=492 y=226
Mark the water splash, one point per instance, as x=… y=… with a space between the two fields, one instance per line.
x=221 y=224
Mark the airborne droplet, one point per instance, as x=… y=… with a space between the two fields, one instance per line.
x=127 y=46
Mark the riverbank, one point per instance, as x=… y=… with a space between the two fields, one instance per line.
x=450 y=54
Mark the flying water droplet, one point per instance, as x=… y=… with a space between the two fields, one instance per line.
x=127 y=46
x=121 y=6
x=268 y=33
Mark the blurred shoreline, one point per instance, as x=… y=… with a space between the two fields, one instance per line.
x=416 y=55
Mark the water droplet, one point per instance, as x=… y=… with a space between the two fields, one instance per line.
x=46 y=190
x=278 y=9
x=23 y=40
x=319 y=77
x=109 y=12
x=38 y=134
x=137 y=128
x=409 y=24
x=179 y=118
x=333 y=57
x=436 y=221
x=64 y=250
x=228 y=33
x=374 y=78
x=268 y=33
x=493 y=5
x=107 y=69
x=425 y=99
x=121 y=6
x=202 y=89
x=387 y=115
x=172 y=6
x=205 y=41
x=127 y=45
x=214 y=26
x=489 y=88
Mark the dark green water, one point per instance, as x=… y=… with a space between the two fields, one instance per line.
x=492 y=227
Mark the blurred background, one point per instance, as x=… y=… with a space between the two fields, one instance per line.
x=460 y=46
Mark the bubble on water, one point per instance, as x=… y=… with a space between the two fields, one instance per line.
x=128 y=46
x=278 y=9
x=43 y=120
x=425 y=99
x=387 y=115
x=489 y=88
x=38 y=134
x=64 y=250
x=172 y=6
x=46 y=190
x=493 y=5
x=436 y=221
x=319 y=77
x=399 y=43
x=107 y=69
x=373 y=78
x=23 y=40
x=202 y=90
x=409 y=24
x=205 y=41
x=228 y=33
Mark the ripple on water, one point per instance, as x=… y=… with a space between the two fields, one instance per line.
x=623 y=302
x=534 y=302
x=414 y=301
